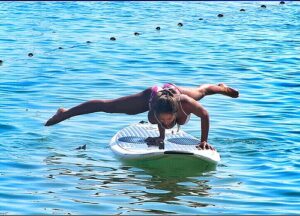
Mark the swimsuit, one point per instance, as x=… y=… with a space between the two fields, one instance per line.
x=155 y=89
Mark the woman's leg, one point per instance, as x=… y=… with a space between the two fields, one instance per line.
x=209 y=89
x=133 y=104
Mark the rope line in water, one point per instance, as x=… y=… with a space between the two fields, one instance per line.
x=112 y=38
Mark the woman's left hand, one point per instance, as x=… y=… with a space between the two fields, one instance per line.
x=205 y=146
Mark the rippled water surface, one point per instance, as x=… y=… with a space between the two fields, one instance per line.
x=257 y=135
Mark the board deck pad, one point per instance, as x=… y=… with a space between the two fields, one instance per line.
x=129 y=143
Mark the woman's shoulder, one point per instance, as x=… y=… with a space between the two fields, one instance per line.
x=185 y=99
x=188 y=104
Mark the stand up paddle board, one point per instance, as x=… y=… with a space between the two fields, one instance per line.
x=129 y=144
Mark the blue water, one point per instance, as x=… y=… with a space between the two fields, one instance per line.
x=257 y=135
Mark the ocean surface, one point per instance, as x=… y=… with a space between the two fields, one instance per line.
x=59 y=54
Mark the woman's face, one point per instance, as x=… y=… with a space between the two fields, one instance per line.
x=167 y=119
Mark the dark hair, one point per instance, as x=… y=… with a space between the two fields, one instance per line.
x=166 y=102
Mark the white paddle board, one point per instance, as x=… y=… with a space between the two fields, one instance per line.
x=129 y=144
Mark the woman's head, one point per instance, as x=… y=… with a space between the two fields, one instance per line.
x=166 y=107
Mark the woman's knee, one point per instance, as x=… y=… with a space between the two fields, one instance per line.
x=131 y=105
x=106 y=106
x=116 y=106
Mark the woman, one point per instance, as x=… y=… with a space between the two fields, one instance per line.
x=167 y=106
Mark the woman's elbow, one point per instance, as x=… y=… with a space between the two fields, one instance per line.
x=205 y=114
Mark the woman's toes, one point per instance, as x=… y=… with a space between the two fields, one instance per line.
x=229 y=91
x=56 y=118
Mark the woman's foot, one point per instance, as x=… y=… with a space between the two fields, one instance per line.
x=229 y=91
x=58 y=117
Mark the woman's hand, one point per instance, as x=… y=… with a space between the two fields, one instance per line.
x=205 y=146
x=154 y=140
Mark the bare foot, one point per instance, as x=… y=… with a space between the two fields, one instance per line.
x=58 y=117
x=229 y=91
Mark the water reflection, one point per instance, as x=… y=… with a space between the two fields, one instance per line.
x=138 y=183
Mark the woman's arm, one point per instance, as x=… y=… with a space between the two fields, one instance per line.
x=161 y=137
x=201 y=112
x=161 y=132
x=192 y=106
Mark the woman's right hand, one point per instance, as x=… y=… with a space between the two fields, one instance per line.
x=154 y=140
x=205 y=146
